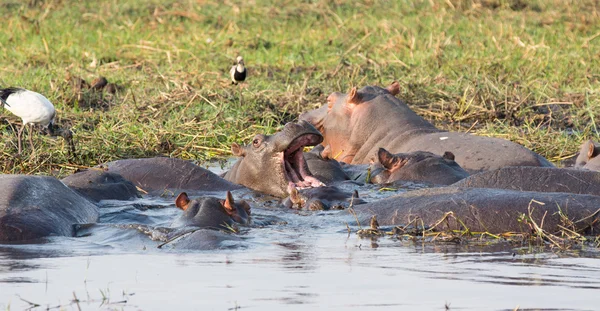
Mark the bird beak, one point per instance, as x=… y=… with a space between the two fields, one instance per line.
x=4 y=103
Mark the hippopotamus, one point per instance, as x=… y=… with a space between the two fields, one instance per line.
x=161 y=175
x=207 y=222
x=323 y=167
x=211 y=212
x=588 y=156
x=541 y=179
x=322 y=199
x=275 y=164
x=486 y=210
x=33 y=207
x=97 y=185
x=419 y=166
x=355 y=125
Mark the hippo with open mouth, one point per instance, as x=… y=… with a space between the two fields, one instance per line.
x=275 y=164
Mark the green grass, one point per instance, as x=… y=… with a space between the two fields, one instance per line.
x=527 y=71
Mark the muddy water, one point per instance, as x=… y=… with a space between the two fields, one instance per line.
x=292 y=261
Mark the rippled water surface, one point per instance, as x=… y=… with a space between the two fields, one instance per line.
x=297 y=261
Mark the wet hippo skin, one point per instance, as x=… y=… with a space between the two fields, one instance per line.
x=275 y=164
x=97 y=185
x=211 y=212
x=355 y=125
x=159 y=175
x=33 y=207
x=418 y=166
x=485 y=210
x=541 y=179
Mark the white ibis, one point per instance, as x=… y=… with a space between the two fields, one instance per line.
x=238 y=71
x=31 y=107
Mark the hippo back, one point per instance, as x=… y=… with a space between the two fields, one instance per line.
x=33 y=207
x=541 y=179
x=98 y=185
x=161 y=174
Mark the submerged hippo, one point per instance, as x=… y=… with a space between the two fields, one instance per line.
x=97 y=185
x=420 y=166
x=541 y=179
x=33 y=207
x=357 y=124
x=274 y=164
x=322 y=199
x=162 y=175
x=588 y=156
x=487 y=210
x=211 y=212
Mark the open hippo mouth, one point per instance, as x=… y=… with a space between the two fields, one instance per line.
x=294 y=166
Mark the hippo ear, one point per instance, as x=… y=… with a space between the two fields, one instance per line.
x=592 y=152
x=229 y=204
x=326 y=153
x=237 y=150
x=387 y=159
x=394 y=88
x=295 y=196
x=182 y=201
x=353 y=97
x=448 y=156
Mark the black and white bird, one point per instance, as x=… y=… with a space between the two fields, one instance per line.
x=31 y=107
x=238 y=71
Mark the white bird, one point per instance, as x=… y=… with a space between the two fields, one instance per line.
x=238 y=71
x=31 y=107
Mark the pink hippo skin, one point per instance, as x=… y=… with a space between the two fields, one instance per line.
x=357 y=124
x=588 y=156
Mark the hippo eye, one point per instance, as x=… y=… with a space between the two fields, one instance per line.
x=256 y=142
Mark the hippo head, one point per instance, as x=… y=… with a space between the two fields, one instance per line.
x=275 y=164
x=211 y=212
x=588 y=156
x=322 y=199
x=416 y=166
x=336 y=120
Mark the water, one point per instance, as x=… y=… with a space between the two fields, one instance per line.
x=297 y=261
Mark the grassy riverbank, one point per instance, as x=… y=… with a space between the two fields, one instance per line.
x=528 y=71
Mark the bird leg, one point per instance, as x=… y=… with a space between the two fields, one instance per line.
x=19 y=132
x=30 y=130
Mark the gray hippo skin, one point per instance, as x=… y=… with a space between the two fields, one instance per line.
x=97 y=185
x=485 y=210
x=33 y=207
x=540 y=179
x=275 y=164
x=588 y=156
x=163 y=175
x=206 y=221
x=357 y=124
x=211 y=212
x=419 y=166
x=323 y=167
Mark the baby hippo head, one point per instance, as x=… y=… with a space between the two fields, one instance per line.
x=211 y=212
x=416 y=166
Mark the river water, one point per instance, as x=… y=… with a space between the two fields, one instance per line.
x=296 y=261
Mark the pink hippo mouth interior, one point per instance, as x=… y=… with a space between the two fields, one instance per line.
x=294 y=166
